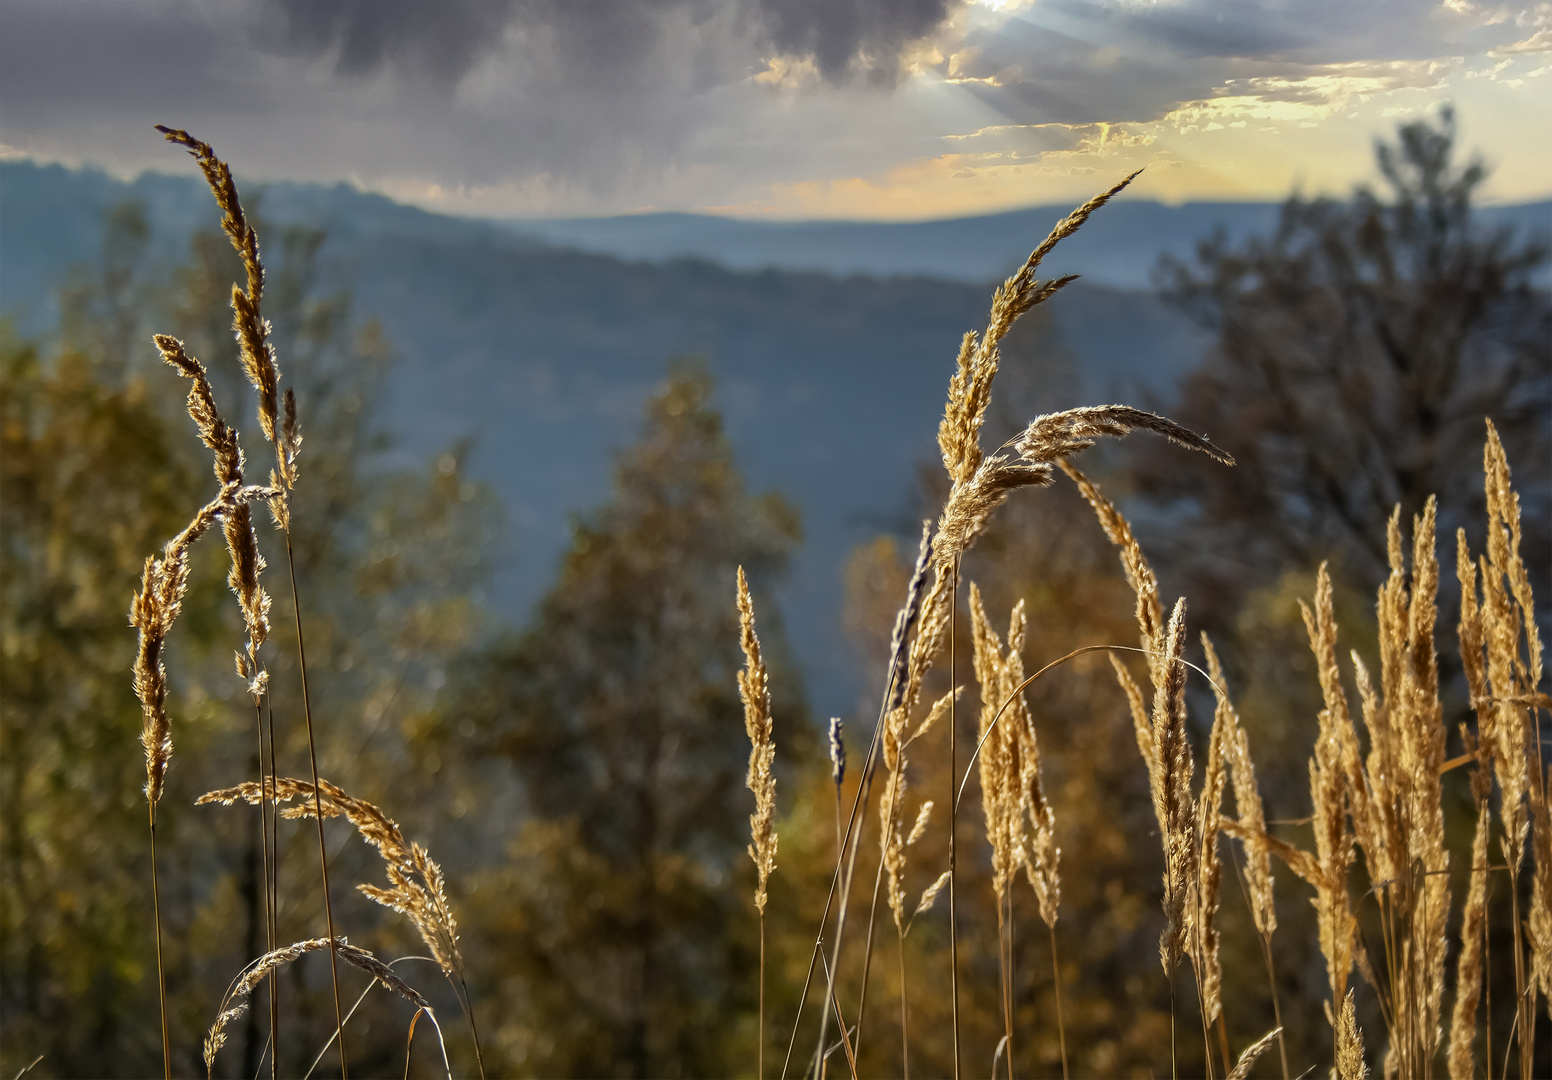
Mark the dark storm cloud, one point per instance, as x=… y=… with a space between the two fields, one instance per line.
x=600 y=96
x=642 y=102
x=445 y=40
x=442 y=40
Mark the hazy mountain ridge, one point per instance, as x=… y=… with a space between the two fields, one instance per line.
x=831 y=385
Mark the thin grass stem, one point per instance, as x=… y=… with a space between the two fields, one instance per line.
x=269 y=911
x=905 y=1019
x=1056 y=978
x=474 y=1032
x=274 y=896
x=808 y=981
x=953 y=767
x=760 y=1053
x=867 y=952
x=161 y=977
x=864 y=785
x=323 y=853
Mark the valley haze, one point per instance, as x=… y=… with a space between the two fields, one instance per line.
x=831 y=343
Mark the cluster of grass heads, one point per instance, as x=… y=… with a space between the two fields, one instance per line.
x=1390 y=921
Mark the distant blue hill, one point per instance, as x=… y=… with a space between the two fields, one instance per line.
x=831 y=343
x=1119 y=247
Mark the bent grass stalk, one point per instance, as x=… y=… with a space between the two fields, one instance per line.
x=257 y=355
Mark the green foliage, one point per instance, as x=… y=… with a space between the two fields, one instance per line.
x=621 y=918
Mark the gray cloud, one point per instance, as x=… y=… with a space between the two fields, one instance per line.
x=613 y=104
x=444 y=41
x=441 y=40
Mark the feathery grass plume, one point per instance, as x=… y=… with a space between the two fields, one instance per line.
x=1349 y=1044
x=256 y=352
x=1161 y=733
x=1251 y=820
x=894 y=842
x=237 y=519
x=969 y=392
x=1252 y=1054
x=837 y=752
x=1145 y=585
x=897 y=739
x=754 y=691
x=1047 y=440
x=998 y=762
x=1248 y=808
x=1170 y=786
x=1473 y=930
x=929 y=896
x=423 y=901
x=1328 y=791
x=153 y=610
x=155 y=607
x=999 y=768
x=1225 y=731
x=1508 y=699
x=1040 y=855
x=235 y=1003
x=1396 y=800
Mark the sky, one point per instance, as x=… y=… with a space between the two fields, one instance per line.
x=779 y=109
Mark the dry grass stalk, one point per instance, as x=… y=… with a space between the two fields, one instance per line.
x=907 y=631
x=235 y=1003
x=895 y=842
x=1251 y=819
x=417 y=887
x=1504 y=678
x=1252 y=1054
x=1349 y=1044
x=755 y=692
x=1248 y=810
x=257 y=356
x=255 y=351
x=969 y=391
x=1394 y=799
x=1225 y=734
x=978 y=485
x=237 y=519
x=163 y=584
x=1328 y=792
x=891 y=807
x=1170 y=785
x=1161 y=731
x=1469 y=964
x=1020 y=825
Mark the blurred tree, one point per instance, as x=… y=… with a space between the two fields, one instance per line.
x=1358 y=350
x=98 y=467
x=622 y=921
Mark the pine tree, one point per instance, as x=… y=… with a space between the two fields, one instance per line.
x=621 y=919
